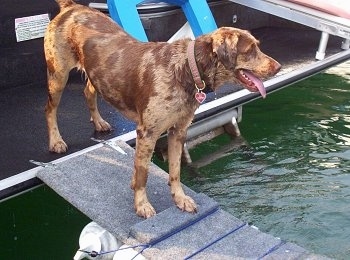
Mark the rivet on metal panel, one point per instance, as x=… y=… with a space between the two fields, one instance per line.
x=234 y=19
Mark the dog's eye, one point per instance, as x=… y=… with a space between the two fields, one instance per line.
x=251 y=50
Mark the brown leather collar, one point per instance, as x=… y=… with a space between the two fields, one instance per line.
x=199 y=83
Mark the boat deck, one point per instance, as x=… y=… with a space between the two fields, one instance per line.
x=24 y=138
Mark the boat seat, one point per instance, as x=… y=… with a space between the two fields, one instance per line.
x=311 y=13
x=197 y=13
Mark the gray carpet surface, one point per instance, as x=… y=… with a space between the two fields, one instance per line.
x=98 y=184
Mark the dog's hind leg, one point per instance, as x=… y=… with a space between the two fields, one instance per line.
x=56 y=83
x=91 y=98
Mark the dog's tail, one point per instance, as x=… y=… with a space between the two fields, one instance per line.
x=65 y=3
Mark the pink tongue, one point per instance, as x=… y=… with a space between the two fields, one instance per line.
x=257 y=82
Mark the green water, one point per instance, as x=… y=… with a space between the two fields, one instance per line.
x=289 y=175
x=39 y=225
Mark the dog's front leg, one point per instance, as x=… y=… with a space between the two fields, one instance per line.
x=145 y=144
x=176 y=140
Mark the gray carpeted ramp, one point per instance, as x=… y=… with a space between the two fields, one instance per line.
x=98 y=184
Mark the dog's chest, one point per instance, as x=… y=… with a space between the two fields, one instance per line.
x=173 y=102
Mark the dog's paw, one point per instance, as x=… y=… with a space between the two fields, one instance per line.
x=185 y=203
x=102 y=126
x=145 y=210
x=58 y=147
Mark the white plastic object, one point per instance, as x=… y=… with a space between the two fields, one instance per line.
x=94 y=238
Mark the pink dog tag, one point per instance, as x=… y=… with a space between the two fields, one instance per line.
x=200 y=96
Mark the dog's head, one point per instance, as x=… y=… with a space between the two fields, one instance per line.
x=240 y=58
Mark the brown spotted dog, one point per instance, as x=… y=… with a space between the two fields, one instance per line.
x=158 y=85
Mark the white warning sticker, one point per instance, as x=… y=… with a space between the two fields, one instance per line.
x=31 y=27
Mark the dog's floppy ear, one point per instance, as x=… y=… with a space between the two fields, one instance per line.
x=224 y=43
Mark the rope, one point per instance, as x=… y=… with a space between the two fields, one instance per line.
x=273 y=249
x=95 y=254
x=166 y=236
x=215 y=241
x=181 y=228
x=156 y=241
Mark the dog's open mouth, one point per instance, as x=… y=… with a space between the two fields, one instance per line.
x=251 y=82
